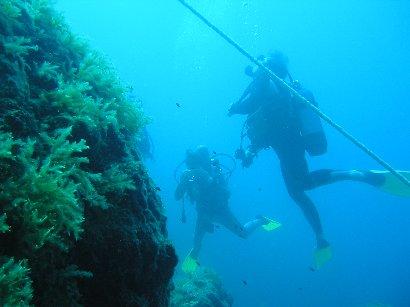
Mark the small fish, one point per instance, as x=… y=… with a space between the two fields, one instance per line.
x=312 y=269
x=245 y=283
x=158 y=189
x=259 y=189
x=214 y=152
x=178 y=104
x=300 y=288
x=217 y=226
x=197 y=262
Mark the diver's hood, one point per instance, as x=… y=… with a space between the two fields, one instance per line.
x=252 y=70
x=278 y=68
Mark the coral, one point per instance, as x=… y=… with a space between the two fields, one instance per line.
x=15 y=284
x=76 y=202
x=201 y=289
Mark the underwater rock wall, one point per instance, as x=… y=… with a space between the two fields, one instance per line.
x=201 y=289
x=80 y=221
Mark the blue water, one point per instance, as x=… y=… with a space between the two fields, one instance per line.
x=354 y=56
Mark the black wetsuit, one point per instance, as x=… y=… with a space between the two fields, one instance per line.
x=273 y=123
x=209 y=191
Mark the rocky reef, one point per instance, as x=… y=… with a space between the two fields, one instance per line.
x=201 y=289
x=80 y=220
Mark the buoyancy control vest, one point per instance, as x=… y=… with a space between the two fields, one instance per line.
x=310 y=125
x=308 y=122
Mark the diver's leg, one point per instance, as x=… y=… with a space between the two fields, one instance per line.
x=327 y=176
x=296 y=175
x=311 y=214
x=230 y=222
x=199 y=234
x=254 y=224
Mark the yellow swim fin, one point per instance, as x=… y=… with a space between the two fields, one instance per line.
x=271 y=224
x=392 y=184
x=190 y=264
x=322 y=256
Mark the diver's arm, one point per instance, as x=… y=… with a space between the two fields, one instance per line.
x=248 y=102
x=308 y=95
x=242 y=105
x=180 y=191
x=237 y=108
x=182 y=186
x=305 y=93
x=247 y=91
x=191 y=179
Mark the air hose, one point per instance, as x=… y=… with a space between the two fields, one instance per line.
x=299 y=97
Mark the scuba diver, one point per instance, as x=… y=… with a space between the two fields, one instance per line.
x=275 y=119
x=205 y=184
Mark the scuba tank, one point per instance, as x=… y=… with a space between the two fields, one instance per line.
x=310 y=124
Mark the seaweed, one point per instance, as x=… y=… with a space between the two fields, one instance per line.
x=3 y=224
x=9 y=10
x=15 y=283
x=47 y=70
x=202 y=289
x=43 y=200
x=78 y=106
x=76 y=201
x=18 y=46
x=6 y=144
x=104 y=83
x=116 y=179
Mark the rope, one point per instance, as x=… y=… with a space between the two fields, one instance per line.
x=302 y=99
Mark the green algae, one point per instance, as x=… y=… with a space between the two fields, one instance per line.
x=6 y=143
x=201 y=289
x=3 y=224
x=18 y=46
x=42 y=199
x=15 y=283
x=72 y=183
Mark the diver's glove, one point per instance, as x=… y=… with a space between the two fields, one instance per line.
x=245 y=156
x=230 y=111
x=240 y=154
x=233 y=108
